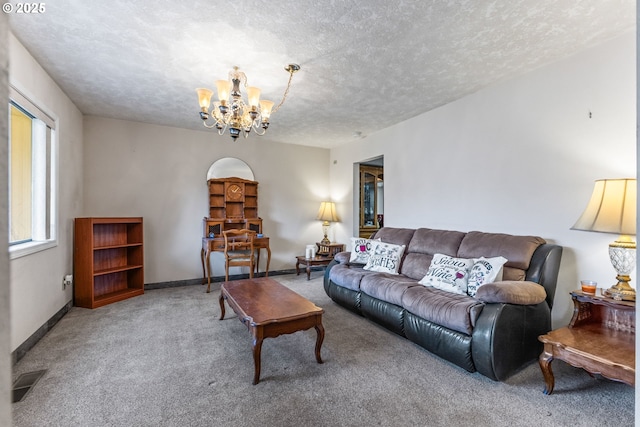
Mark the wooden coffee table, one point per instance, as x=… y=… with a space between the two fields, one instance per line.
x=268 y=310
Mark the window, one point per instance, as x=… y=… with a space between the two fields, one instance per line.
x=31 y=177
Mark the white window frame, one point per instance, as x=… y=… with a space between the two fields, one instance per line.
x=45 y=202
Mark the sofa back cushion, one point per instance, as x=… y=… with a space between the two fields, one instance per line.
x=518 y=250
x=397 y=236
x=423 y=245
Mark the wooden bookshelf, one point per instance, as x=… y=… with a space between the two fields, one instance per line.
x=108 y=260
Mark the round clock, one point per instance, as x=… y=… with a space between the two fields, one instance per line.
x=234 y=192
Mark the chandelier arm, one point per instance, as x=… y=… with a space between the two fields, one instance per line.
x=257 y=129
x=208 y=126
x=286 y=91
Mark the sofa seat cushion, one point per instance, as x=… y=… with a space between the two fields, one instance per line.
x=348 y=276
x=454 y=311
x=387 y=287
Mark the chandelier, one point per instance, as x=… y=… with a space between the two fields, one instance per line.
x=234 y=113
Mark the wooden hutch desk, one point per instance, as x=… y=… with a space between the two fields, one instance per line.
x=599 y=339
x=233 y=204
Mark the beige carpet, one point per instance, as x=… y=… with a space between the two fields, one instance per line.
x=164 y=359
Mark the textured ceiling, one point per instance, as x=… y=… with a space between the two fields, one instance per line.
x=366 y=64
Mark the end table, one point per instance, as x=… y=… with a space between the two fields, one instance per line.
x=599 y=339
x=323 y=257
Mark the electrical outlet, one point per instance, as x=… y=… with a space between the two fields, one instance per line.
x=67 y=281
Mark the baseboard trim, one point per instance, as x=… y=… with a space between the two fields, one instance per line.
x=215 y=279
x=23 y=348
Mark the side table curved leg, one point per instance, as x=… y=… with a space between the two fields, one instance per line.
x=545 y=360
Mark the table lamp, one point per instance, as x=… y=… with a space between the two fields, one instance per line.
x=327 y=213
x=612 y=209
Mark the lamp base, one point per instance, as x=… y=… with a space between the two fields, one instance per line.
x=621 y=291
x=325 y=230
x=622 y=254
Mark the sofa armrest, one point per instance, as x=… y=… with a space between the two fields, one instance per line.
x=512 y=292
x=505 y=337
x=342 y=257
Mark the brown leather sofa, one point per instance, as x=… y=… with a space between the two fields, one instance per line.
x=494 y=333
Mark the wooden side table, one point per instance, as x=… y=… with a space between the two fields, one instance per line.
x=317 y=260
x=324 y=256
x=599 y=339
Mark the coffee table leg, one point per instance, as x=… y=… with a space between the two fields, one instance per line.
x=257 y=349
x=221 y=300
x=298 y=268
x=309 y=271
x=545 y=365
x=320 y=331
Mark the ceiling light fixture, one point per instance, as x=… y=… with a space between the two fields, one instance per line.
x=232 y=112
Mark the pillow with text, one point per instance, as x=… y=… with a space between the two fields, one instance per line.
x=384 y=257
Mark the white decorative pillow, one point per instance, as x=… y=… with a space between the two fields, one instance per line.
x=484 y=270
x=361 y=249
x=448 y=273
x=384 y=257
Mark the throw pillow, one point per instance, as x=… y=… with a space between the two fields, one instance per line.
x=448 y=273
x=384 y=257
x=483 y=271
x=360 y=250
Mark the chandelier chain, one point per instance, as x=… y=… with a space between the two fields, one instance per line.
x=286 y=92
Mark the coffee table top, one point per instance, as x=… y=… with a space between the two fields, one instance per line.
x=263 y=300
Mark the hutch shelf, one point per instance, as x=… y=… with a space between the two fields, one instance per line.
x=108 y=260
x=233 y=203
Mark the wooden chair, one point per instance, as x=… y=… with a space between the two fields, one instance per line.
x=239 y=250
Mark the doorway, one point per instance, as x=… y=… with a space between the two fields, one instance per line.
x=371 y=196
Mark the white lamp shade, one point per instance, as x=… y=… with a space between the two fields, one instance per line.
x=327 y=212
x=611 y=209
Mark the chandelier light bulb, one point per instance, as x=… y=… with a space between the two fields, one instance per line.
x=224 y=88
x=265 y=109
x=204 y=98
x=253 y=94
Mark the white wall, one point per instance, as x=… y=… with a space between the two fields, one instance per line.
x=519 y=157
x=160 y=173
x=36 y=279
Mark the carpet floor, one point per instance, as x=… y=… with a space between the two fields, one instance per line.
x=164 y=359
